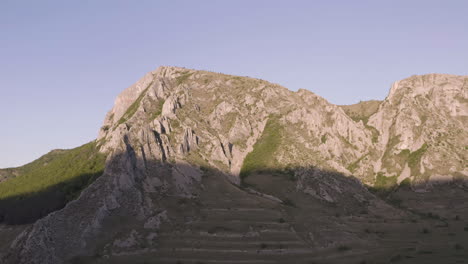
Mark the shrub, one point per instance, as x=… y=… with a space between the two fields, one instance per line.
x=289 y=202
x=323 y=139
x=396 y=258
x=405 y=183
x=383 y=185
x=343 y=248
x=424 y=252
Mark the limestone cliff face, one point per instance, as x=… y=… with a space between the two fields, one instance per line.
x=222 y=116
x=418 y=131
x=422 y=127
x=165 y=130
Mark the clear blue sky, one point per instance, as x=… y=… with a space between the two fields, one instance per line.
x=62 y=63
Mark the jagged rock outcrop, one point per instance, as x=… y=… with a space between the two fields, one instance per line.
x=422 y=127
x=166 y=132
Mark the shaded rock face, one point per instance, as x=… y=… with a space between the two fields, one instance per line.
x=177 y=134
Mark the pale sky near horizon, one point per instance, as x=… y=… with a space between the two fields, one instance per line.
x=62 y=63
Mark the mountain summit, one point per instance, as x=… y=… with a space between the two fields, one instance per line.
x=205 y=167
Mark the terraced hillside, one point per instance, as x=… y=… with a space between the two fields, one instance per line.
x=228 y=224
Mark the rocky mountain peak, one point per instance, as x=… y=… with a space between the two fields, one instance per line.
x=350 y=139
x=183 y=145
x=437 y=88
x=425 y=115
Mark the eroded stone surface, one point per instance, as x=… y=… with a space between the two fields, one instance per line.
x=184 y=121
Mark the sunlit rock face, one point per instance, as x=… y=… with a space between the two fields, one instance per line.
x=423 y=125
x=182 y=138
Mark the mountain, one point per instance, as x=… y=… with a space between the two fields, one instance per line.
x=205 y=167
x=422 y=126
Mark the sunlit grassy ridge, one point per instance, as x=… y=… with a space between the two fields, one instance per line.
x=12 y=172
x=262 y=155
x=74 y=169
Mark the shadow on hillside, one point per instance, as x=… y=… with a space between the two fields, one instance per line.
x=280 y=183
x=27 y=208
x=276 y=189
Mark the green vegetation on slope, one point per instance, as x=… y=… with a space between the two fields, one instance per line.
x=262 y=156
x=353 y=166
x=183 y=77
x=49 y=183
x=391 y=162
x=323 y=139
x=157 y=111
x=362 y=110
x=65 y=166
x=131 y=110
x=383 y=182
x=414 y=158
x=383 y=185
x=12 y=172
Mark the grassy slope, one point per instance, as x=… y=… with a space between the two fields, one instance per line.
x=12 y=172
x=54 y=168
x=362 y=110
x=48 y=183
x=261 y=157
